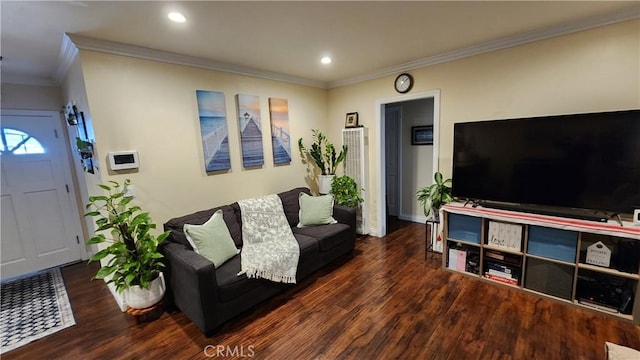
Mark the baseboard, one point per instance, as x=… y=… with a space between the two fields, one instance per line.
x=118 y=297
x=413 y=218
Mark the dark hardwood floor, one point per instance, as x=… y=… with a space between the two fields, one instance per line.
x=387 y=302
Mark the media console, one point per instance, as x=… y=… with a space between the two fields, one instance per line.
x=594 y=265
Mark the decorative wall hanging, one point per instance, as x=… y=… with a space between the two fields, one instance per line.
x=213 y=130
x=83 y=144
x=280 y=135
x=422 y=135
x=250 y=128
x=352 y=120
x=70 y=114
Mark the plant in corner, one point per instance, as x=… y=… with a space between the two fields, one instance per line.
x=323 y=154
x=434 y=196
x=345 y=191
x=135 y=262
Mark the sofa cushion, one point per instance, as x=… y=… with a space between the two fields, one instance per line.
x=328 y=236
x=200 y=217
x=316 y=210
x=291 y=204
x=231 y=285
x=212 y=239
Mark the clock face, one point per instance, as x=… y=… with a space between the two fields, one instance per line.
x=403 y=83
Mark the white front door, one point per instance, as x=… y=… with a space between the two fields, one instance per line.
x=40 y=221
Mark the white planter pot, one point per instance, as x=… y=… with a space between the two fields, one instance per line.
x=324 y=183
x=139 y=298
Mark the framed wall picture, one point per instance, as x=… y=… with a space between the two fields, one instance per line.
x=422 y=135
x=351 y=120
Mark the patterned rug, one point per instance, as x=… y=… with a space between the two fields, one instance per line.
x=33 y=307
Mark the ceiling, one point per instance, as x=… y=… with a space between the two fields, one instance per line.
x=286 y=39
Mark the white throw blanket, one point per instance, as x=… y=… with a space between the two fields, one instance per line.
x=269 y=249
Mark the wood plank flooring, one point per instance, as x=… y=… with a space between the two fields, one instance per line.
x=386 y=302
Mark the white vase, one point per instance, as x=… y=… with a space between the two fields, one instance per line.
x=139 y=298
x=324 y=183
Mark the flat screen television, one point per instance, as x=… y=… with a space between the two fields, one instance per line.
x=581 y=161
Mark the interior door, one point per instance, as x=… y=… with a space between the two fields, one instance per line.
x=40 y=221
x=392 y=127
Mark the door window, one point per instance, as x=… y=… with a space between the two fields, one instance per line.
x=19 y=143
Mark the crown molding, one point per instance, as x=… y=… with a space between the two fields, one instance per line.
x=565 y=29
x=16 y=79
x=110 y=47
x=73 y=42
x=68 y=53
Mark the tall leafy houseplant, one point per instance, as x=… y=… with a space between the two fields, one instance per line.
x=135 y=259
x=345 y=191
x=323 y=153
x=434 y=196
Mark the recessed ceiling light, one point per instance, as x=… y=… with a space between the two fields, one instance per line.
x=325 y=60
x=177 y=17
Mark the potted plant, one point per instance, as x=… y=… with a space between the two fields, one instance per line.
x=323 y=155
x=434 y=196
x=345 y=191
x=135 y=263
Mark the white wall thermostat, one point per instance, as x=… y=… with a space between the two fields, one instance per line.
x=123 y=160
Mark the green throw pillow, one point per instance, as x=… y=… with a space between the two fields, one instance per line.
x=212 y=239
x=316 y=210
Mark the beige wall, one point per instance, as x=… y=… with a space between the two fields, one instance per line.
x=31 y=97
x=151 y=107
x=595 y=70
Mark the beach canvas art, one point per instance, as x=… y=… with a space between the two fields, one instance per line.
x=213 y=129
x=280 y=135
x=250 y=128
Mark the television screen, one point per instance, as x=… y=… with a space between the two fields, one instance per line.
x=585 y=161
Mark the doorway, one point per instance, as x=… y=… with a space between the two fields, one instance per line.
x=393 y=188
x=40 y=219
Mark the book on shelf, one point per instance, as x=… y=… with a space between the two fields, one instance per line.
x=507 y=258
x=501 y=279
x=457 y=260
x=501 y=274
x=498 y=267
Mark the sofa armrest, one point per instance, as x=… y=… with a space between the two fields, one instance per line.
x=345 y=215
x=191 y=281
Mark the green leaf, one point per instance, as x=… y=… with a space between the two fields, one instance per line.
x=105 y=271
x=129 y=278
x=98 y=239
x=104 y=226
x=98 y=198
x=100 y=255
x=92 y=213
x=105 y=187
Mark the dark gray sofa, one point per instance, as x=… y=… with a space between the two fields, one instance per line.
x=210 y=296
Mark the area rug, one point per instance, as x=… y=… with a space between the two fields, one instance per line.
x=33 y=307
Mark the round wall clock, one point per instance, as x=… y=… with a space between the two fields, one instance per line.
x=403 y=83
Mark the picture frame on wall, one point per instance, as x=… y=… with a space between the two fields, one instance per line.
x=352 y=120
x=422 y=135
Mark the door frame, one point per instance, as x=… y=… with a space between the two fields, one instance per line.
x=60 y=127
x=381 y=226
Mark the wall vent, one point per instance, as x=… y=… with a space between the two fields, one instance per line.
x=356 y=166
